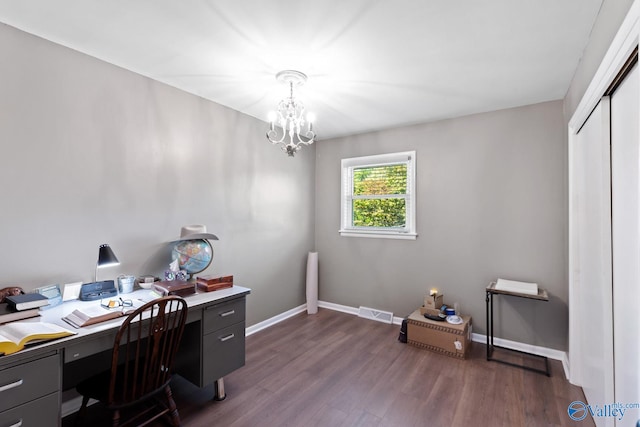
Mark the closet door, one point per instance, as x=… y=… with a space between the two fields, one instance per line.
x=591 y=328
x=625 y=190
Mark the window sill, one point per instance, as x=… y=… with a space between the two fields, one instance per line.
x=378 y=234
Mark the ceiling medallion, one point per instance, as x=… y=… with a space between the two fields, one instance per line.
x=288 y=121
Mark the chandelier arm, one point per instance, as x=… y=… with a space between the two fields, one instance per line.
x=308 y=138
x=273 y=134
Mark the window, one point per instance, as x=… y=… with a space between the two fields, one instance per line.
x=378 y=196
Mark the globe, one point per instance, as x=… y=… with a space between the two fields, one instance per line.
x=193 y=256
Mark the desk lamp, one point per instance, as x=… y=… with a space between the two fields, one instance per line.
x=106 y=258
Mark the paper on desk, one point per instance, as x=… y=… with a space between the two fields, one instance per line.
x=515 y=286
x=148 y=297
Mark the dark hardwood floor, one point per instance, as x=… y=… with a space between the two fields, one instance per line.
x=335 y=369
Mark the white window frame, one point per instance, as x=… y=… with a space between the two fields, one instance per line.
x=347 y=228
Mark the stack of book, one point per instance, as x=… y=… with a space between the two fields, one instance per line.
x=211 y=283
x=21 y=306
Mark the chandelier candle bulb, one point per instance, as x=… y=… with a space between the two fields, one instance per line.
x=272 y=120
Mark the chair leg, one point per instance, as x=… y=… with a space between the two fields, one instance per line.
x=80 y=416
x=115 y=421
x=173 y=409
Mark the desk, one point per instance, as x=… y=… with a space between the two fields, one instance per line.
x=490 y=292
x=31 y=380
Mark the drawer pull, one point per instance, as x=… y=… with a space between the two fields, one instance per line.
x=18 y=424
x=10 y=386
x=227 y=313
x=228 y=337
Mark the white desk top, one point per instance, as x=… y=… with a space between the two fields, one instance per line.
x=54 y=315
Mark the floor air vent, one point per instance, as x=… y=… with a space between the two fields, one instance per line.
x=380 y=316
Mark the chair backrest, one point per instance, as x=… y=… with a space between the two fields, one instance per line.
x=145 y=349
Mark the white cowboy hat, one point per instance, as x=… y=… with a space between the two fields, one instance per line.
x=195 y=232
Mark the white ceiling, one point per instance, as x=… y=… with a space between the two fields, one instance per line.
x=372 y=64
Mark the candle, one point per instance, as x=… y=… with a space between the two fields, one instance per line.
x=272 y=119
x=433 y=292
x=310 y=119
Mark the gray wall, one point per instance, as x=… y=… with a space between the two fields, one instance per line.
x=92 y=154
x=491 y=203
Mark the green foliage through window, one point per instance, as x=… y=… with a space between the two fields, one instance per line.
x=379 y=213
x=380 y=180
x=378 y=196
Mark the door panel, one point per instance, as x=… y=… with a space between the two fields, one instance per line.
x=625 y=161
x=590 y=270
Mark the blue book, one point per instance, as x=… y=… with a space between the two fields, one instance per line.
x=26 y=301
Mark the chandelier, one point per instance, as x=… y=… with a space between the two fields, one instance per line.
x=290 y=118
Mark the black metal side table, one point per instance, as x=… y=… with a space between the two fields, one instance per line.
x=491 y=291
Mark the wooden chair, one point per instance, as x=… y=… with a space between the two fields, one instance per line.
x=144 y=351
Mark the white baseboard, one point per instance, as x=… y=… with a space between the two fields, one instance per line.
x=527 y=348
x=565 y=365
x=338 y=307
x=275 y=319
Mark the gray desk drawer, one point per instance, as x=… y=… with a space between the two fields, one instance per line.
x=222 y=352
x=29 y=381
x=220 y=316
x=88 y=347
x=43 y=412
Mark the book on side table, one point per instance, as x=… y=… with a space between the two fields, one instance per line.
x=14 y=336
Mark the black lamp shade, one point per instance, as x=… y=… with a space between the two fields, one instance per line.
x=106 y=257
